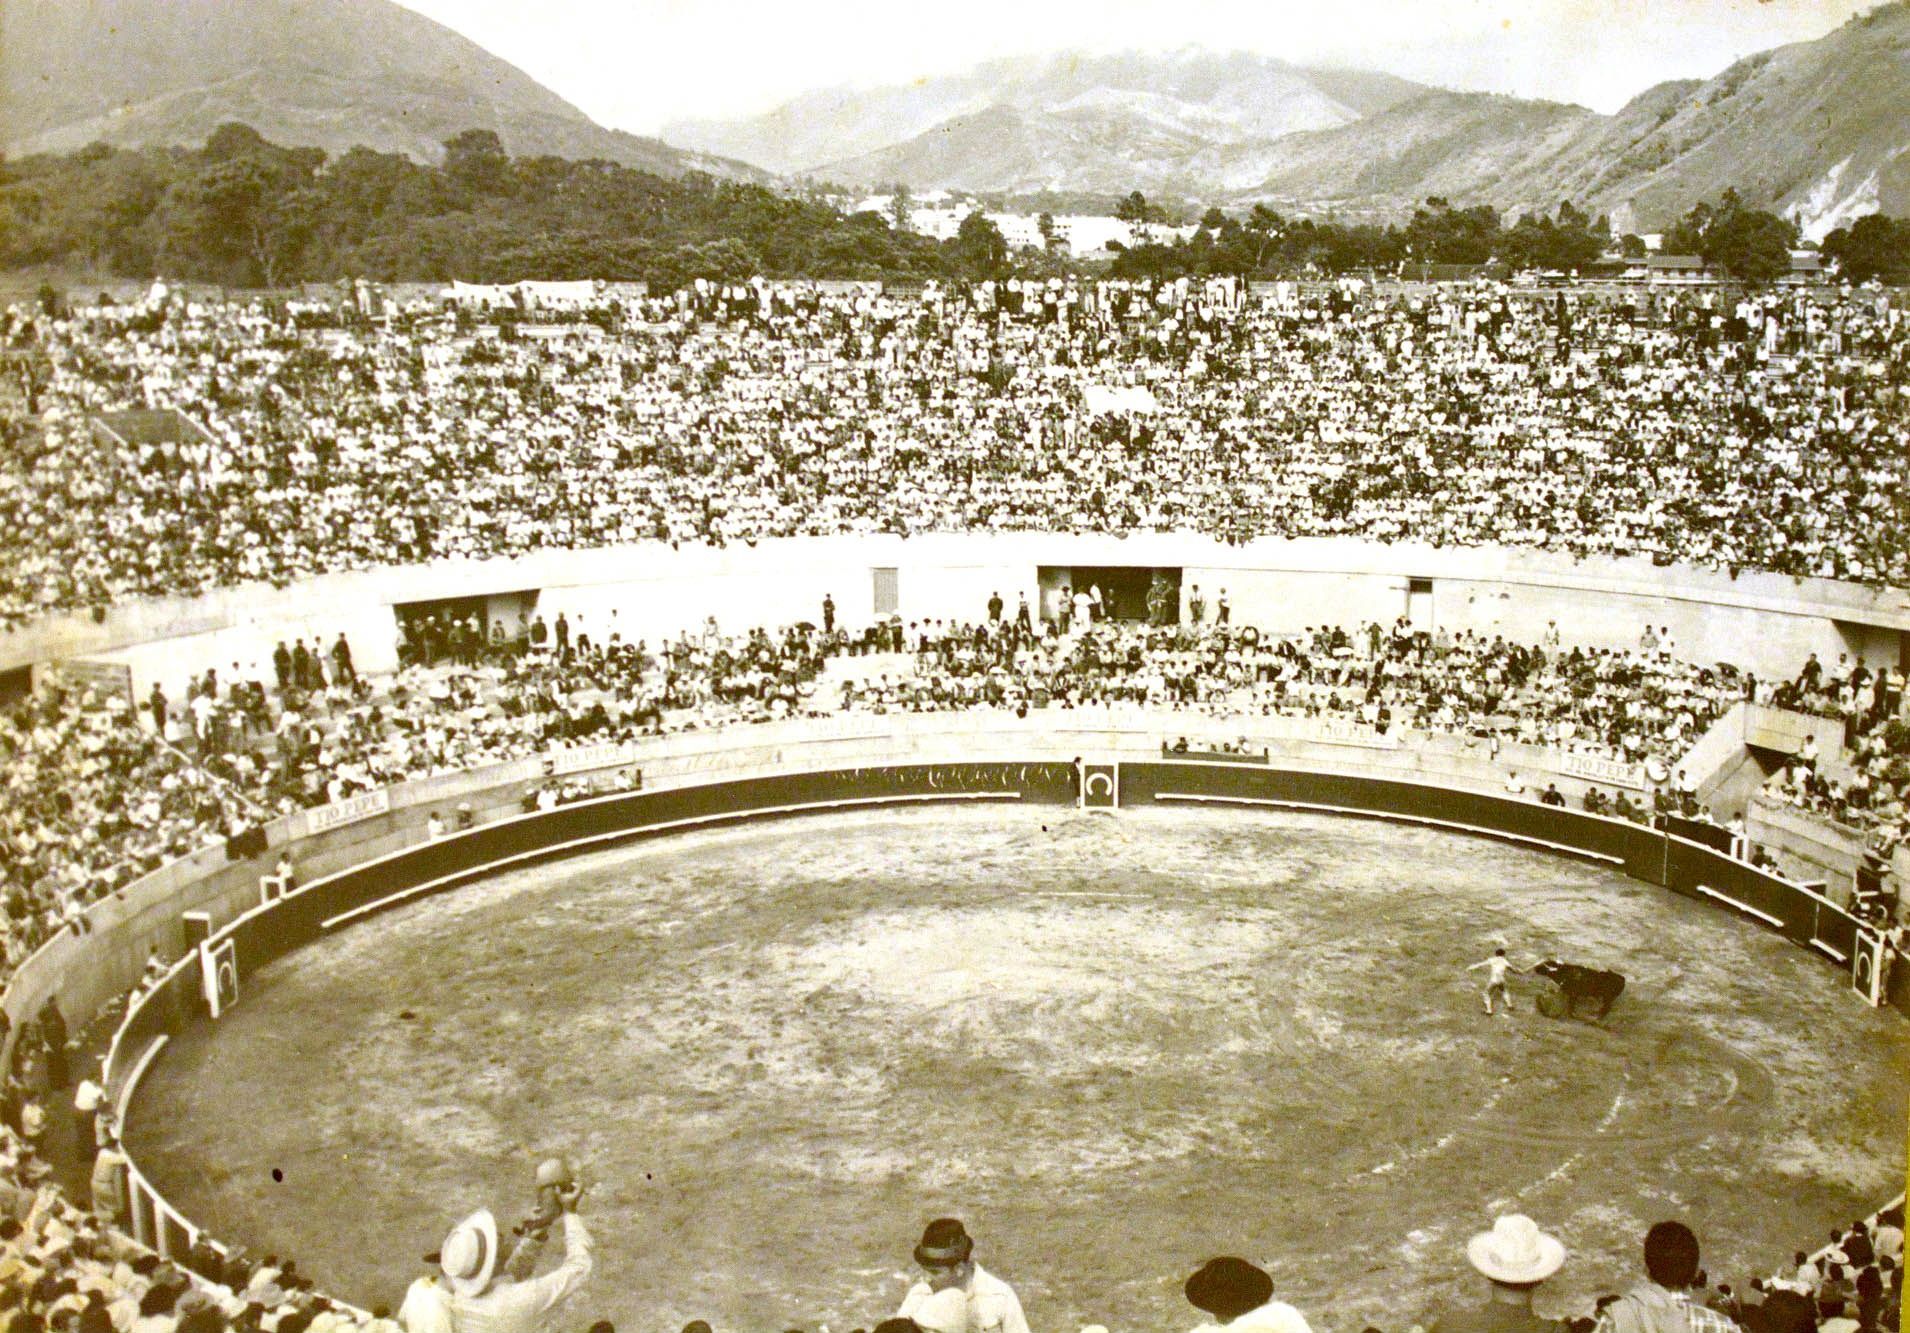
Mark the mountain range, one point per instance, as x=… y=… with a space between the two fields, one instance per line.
x=1819 y=129
x=325 y=73
x=1067 y=122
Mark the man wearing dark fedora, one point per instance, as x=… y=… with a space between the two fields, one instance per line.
x=1239 y=1296
x=1514 y=1258
x=956 y=1295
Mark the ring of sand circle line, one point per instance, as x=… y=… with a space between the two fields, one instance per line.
x=885 y=957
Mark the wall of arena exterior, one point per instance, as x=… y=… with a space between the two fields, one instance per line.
x=1763 y=622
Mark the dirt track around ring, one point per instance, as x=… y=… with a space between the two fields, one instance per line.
x=1115 y=1045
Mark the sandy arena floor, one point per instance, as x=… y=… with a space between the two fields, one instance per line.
x=1116 y=1046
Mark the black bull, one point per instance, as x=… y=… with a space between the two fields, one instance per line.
x=1597 y=989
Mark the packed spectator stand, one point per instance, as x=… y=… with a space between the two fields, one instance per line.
x=158 y=782
x=1762 y=432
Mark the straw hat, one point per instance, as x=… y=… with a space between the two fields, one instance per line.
x=1515 y=1251
x=469 y=1254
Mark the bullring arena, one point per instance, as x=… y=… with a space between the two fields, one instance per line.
x=797 y=939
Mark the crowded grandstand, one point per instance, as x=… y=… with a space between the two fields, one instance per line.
x=1755 y=432
x=183 y=444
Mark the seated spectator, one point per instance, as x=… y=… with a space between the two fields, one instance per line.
x=1239 y=1296
x=1662 y=1302
x=1515 y=1257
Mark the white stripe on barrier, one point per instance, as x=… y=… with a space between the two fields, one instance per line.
x=1319 y=808
x=140 y=994
x=1745 y=908
x=133 y=1076
x=806 y=807
x=1829 y=952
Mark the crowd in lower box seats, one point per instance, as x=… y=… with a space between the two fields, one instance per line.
x=1754 y=432
x=1865 y=726
x=1628 y=705
x=100 y=793
x=92 y=802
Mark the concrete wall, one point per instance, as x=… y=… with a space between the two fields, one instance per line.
x=1767 y=623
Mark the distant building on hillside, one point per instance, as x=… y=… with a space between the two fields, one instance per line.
x=1807 y=269
x=1687 y=270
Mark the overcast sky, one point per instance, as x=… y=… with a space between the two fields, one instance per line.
x=635 y=64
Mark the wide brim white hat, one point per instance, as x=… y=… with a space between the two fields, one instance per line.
x=468 y=1256
x=1515 y=1250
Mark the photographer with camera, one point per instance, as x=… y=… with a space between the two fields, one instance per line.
x=524 y=1248
x=470 y=1257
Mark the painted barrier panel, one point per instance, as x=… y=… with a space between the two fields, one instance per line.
x=446 y=862
x=1639 y=850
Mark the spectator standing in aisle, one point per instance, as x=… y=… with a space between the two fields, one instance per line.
x=109 y=1181
x=88 y=1097
x=828 y=614
x=1662 y=1302
x=1515 y=1257
x=54 y=1034
x=1239 y=1296
x=341 y=662
x=994 y=608
x=479 y=1304
x=1196 y=605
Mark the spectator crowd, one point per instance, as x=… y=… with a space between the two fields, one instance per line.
x=102 y=792
x=1762 y=432
x=1859 y=774
x=1755 y=433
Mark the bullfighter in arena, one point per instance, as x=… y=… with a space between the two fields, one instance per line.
x=1496 y=968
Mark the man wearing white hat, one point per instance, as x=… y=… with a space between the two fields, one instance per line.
x=469 y=1260
x=1515 y=1257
